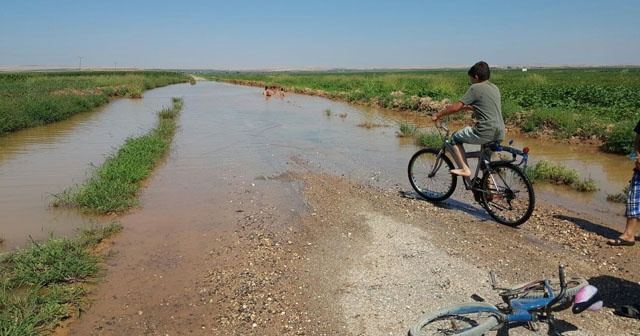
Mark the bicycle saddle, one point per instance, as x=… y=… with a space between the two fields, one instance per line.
x=493 y=145
x=587 y=298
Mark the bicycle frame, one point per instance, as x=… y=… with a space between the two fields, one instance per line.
x=522 y=308
x=528 y=309
x=483 y=155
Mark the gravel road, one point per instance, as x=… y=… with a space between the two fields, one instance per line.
x=359 y=260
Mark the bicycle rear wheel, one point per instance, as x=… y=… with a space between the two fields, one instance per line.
x=507 y=194
x=536 y=289
x=466 y=319
x=430 y=176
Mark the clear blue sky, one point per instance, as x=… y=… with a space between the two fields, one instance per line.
x=236 y=34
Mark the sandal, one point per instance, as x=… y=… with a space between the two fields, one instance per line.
x=632 y=311
x=620 y=242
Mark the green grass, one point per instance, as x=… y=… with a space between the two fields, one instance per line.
x=590 y=103
x=36 y=98
x=407 y=129
x=114 y=186
x=429 y=140
x=44 y=283
x=620 y=197
x=544 y=171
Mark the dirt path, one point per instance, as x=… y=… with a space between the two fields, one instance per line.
x=358 y=261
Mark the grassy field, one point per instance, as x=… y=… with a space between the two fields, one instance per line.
x=600 y=104
x=36 y=98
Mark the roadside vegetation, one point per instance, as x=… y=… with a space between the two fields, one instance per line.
x=46 y=283
x=544 y=171
x=114 y=186
x=598 y=105
x=29 y=99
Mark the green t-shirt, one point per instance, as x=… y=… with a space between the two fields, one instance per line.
x=487 y=110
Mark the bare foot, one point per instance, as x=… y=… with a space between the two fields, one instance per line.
x=461 y=172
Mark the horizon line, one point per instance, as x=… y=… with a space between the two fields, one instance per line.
x=36 y=67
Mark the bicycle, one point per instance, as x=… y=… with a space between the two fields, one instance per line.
x=529 y=303
x=500 y=186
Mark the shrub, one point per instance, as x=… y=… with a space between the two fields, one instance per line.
x=586 y=185
x=407 y=129
x=620 y=197
x=430 y=140
x=557 y=174
x=620 y=139
x=509 y=109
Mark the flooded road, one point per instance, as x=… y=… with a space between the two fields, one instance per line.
x=232 y=132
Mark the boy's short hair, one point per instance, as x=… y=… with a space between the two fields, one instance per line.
x=480 y=69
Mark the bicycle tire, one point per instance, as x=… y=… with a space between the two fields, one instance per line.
x=536 y=289
x=507 y=194
x=465 y=319
x=428 y=177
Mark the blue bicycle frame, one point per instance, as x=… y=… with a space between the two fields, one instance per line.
x=522 y=307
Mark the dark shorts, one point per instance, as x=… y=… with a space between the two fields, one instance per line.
x=633 y=198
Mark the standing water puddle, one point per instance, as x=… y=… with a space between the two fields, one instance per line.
x=229 y=131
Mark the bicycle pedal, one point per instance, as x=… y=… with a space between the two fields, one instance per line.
x=533 y=326
x=477 y=298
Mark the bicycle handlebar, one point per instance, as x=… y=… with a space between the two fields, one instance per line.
x=443 y=123
x=563 y=281
x=556 y=299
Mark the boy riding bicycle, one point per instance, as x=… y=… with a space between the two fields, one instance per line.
x=483 y=97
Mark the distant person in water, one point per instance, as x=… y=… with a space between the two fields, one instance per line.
x=281 y=92
x=483 y=97
x=267 y=92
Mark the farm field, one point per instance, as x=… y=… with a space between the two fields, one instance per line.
x=36 y=98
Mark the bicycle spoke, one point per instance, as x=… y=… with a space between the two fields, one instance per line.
x=507 y=195
x=429 y=175
x=461 y=319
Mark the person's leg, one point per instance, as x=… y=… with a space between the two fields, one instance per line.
x=459 y=138
x=632 y=212
x=629 y=233
x=628 y=236
x=461 y=157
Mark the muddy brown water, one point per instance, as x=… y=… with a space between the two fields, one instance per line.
x=232 y=132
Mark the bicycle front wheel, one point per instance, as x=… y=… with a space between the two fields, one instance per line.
x=507 y=194
x=430 y=176
x=466 y=319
